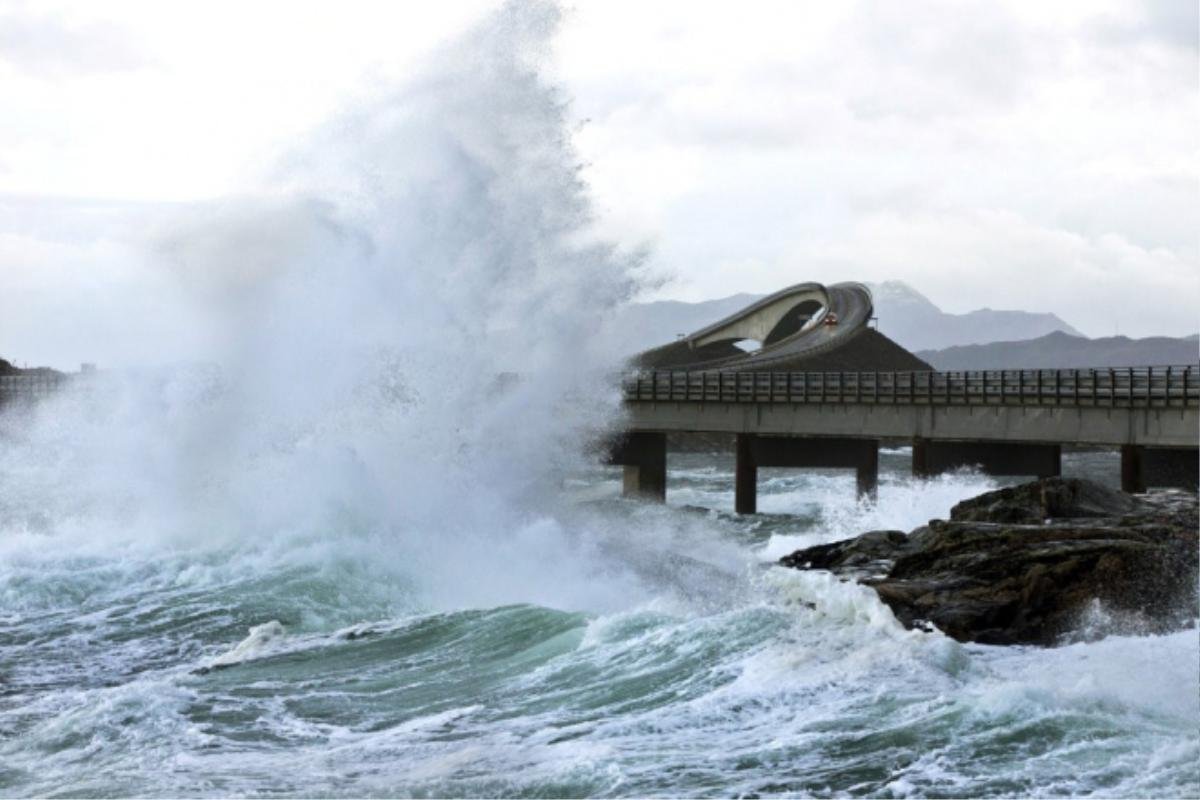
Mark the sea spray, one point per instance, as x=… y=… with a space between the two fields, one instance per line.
x=364 y=311
x=344 y=507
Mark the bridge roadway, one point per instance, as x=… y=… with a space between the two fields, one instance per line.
x=711 y=348
x=1008 y=422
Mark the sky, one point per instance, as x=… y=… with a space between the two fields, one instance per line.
x=1037 y=156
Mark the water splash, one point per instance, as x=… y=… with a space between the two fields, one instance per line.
x=361 y=313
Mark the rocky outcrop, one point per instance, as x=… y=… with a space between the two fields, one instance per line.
x=1038 y=563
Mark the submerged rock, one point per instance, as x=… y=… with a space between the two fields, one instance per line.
x=1028 y=564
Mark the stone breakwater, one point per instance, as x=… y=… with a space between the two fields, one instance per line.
x=1043 y=563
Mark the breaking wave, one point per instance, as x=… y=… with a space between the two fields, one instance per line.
x=359 y=547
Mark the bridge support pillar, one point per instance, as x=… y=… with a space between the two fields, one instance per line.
x=644 y=456
x=745 y=481
x=867 y=472
x=920 y=459
x=1133 y=475
x=1143 y=467
x=931 y=458
x=861 y=455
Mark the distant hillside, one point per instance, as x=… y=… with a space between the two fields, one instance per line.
x=1063 y=351
x=645 y=325
x=911 y=319
x=904 y=315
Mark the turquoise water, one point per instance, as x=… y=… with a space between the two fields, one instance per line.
x=351 y=560
x=300 y=667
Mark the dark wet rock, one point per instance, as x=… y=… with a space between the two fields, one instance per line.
x=1052 y=498
x=870 y=554
x=1030 y=563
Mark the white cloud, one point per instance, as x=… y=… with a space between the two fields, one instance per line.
x=46 y=46
x=935 y=129
x=1001 y=260
x=1039 y=156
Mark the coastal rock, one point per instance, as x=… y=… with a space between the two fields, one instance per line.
x=1037 y=563
x=1053 y=498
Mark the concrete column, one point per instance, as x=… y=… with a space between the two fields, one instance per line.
x=920 y=459
x=867 y=472
x=1054 y=461
x=1133 y=477
x=745 y=484
x=861 y=455
x=995 y=458
x=1172 y=466
x=1143 y=467
x=644 y=456
x=646 y=482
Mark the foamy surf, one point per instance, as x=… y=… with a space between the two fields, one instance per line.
x=410 y=577
x=261 y=640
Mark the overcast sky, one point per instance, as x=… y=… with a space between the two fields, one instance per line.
x=1034 y=155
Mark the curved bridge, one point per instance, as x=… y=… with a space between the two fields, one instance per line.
x=790 y=329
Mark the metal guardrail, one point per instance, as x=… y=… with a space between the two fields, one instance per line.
x=31 y=386
x=1136 y=387
x=1130 y=387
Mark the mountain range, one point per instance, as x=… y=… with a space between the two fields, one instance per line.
x=982 y=339
x=912 y=320
x=902 y=313
x=1063 y=351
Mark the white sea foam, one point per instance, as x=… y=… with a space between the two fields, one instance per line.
x=353 y=471
x=1154 y=674
x=903 y=503
x=261 y=640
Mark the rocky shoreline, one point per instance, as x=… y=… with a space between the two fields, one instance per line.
x=1044 y=563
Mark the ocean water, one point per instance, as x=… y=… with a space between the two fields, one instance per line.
x=688 y=665
x=338 y=554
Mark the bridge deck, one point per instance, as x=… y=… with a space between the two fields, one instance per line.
x=1148 y=387
x=1158 y=407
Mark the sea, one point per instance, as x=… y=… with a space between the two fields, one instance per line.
x=358 y=541
x=592 y=646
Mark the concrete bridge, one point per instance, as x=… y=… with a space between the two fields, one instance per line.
x=1008 y=422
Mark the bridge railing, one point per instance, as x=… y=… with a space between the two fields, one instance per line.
x=1136 y=387
x=30 y=385
x=1141 y=387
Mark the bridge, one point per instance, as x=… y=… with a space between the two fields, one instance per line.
x=806 y=326
x=1007 y=422
x=820 y=387
x=30 y=386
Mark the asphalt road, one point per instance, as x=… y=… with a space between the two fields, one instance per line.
x=850 y=302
